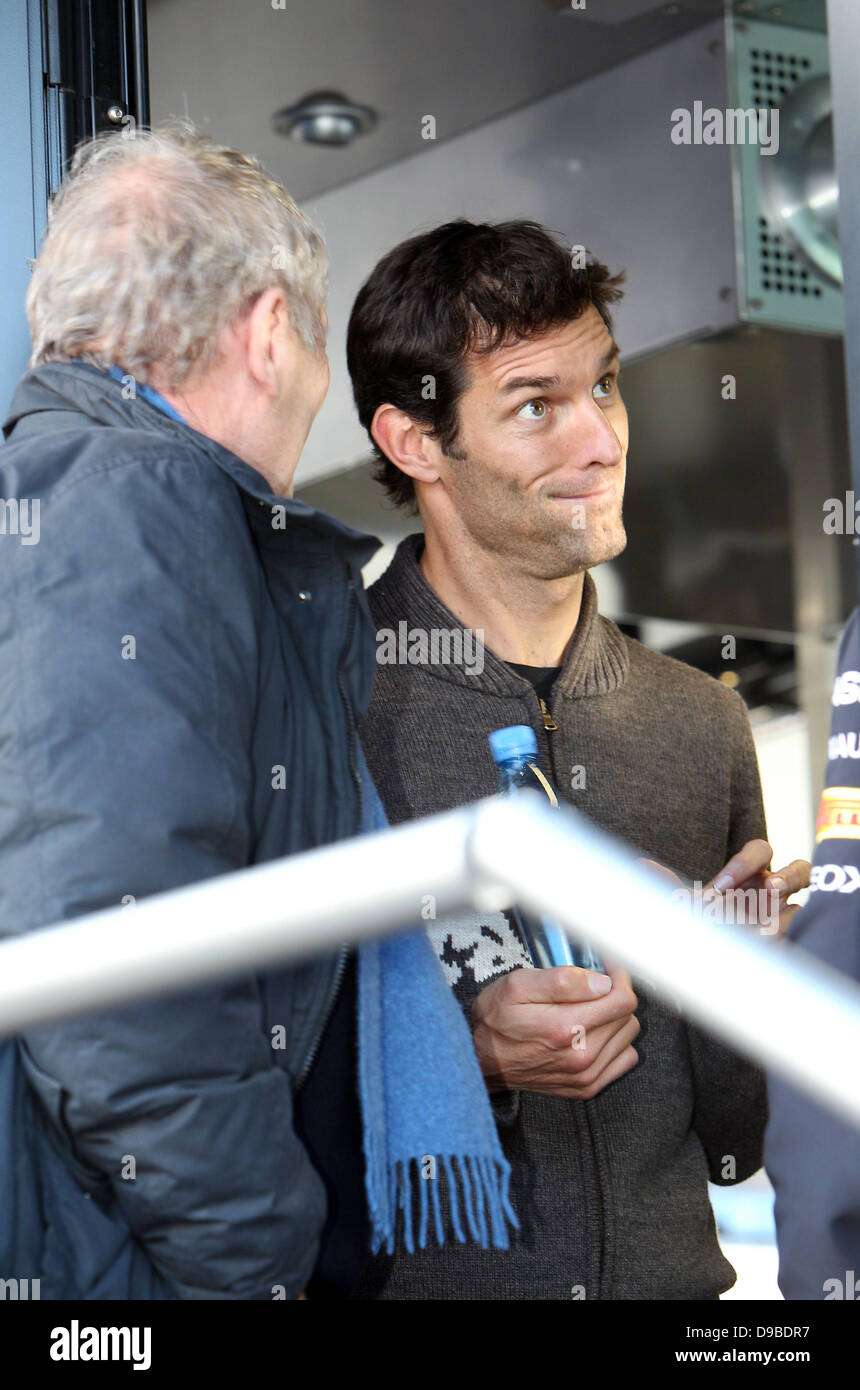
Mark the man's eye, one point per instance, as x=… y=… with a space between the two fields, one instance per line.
x=609 y=383
x=538 y=406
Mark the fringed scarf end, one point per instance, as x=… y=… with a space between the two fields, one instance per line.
x=456 y=1188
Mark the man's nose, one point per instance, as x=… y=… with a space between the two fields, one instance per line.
x=593 y=439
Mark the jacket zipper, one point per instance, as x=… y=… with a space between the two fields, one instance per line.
x=550 y=726
x=353 y=767
x=343 y=953
x=548 y=721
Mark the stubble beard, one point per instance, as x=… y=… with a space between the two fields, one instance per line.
x=533 y=532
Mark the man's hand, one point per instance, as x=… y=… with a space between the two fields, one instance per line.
x=562 y=1032
x=749 y=869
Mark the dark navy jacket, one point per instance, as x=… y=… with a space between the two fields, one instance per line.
x=183 y=660
x=812 y=1157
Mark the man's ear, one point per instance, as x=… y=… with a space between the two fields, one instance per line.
x=268 y=337
x=405 y=444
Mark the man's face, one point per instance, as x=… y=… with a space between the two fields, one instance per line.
x=543 y=431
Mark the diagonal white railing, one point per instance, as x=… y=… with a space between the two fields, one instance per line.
x=765 y=997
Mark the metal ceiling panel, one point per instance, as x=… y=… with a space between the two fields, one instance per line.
x=596 y=163
x=229 y=67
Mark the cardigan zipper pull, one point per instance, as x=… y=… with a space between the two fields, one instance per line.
x=548 y=721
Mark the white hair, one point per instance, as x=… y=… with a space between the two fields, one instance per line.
x=159 y=240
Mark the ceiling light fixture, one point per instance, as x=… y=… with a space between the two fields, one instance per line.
x=324 y=118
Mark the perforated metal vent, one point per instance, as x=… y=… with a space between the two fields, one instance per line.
x=780 y=269
x=777 y=286
x=775 y=73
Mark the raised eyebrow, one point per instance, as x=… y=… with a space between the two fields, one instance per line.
x=548 y=383
x=531 y=383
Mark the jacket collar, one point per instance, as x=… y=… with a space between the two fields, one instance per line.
x=597 y=663
x=56 y=395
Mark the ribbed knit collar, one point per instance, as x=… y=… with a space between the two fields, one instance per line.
x=597 y=662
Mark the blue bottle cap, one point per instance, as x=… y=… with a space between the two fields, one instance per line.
x=518 y=741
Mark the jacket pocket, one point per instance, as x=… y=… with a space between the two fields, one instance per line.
x=50 y=1098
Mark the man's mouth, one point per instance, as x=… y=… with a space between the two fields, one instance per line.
x=580 y=496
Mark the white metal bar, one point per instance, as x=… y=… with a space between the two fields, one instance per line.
x=261 y=916
x=764 y=996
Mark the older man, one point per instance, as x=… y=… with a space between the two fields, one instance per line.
x=184 y=658
x=185 y=652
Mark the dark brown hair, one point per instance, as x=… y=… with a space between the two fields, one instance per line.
x=462 y=288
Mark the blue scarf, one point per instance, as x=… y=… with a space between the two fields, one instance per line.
x=426 y=1113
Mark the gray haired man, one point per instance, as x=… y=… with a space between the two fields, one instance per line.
x=184 y=657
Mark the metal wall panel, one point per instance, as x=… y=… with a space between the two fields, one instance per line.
x=596 y=163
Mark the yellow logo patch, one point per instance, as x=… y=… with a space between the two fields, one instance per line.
x=838 y=814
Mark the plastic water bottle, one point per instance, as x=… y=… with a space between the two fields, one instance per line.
x=514 y=752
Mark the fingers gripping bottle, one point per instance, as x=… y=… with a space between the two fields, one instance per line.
x=514 y=752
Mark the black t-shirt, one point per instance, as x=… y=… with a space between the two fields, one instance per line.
x=541 y=677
